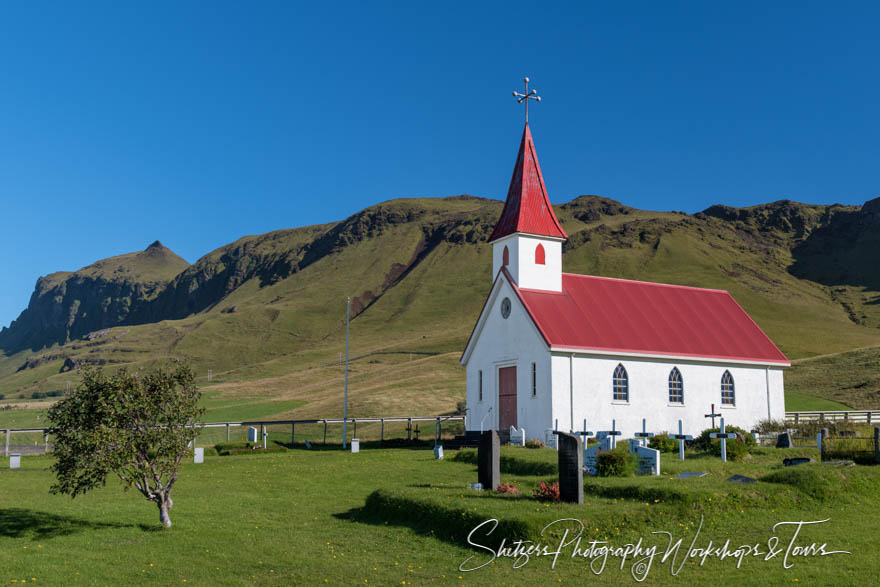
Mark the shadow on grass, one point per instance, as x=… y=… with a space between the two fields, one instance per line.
x=22 y=523
x=429 y=517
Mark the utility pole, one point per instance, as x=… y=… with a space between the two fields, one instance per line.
x=345 y=404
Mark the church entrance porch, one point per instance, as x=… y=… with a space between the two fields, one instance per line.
x=506 y=398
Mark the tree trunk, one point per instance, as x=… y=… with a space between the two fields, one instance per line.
x=165 y=504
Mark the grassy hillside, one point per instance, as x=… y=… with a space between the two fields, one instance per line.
x=266 y=313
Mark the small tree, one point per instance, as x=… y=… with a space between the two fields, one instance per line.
x=135 y=425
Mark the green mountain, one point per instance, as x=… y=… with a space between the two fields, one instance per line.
x=266 y=313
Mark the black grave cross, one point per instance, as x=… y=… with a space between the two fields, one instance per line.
x=713 y=415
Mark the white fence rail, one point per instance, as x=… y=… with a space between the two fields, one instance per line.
x=262 y=424
x=858 y=416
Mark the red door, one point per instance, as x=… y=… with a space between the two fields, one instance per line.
x=506 y=398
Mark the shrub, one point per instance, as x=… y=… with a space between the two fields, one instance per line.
x=2 y=396
x=704 y=443
x=663 y=443
x=769 y=426
x=532 y=443
x=616 y=463
x=547 y=491
x=507 y=488
x=736 y=449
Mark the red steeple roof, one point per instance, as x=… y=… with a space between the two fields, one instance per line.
x=527 y=208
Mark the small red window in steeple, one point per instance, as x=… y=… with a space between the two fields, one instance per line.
x=505 y=258
x=539 y=254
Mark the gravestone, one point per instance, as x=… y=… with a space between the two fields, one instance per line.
x=438 y=452
x=649 y=458
x=688 y=475
x=355 y=445
x=253 y=435
x=550 y=438
x=876 y=444
x=199 y=455
x=783 y=440
x=591 y=455
x=14 y=460
x=742 y=479
x=849 y=433
x=797 y=461
x=518 y=437
x=489 y=460
x=571 y=468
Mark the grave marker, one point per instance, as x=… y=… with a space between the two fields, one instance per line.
x=355 y=445
x=649 y=458
x=680 y=437
x=252 y=434
x=571 y=468
x=591 y=455
x=796 y=461
x=518 y=436
x=613 y=433
x=644 y=436
x=14 y=460
x=712 y=415
x=438 y=452
x=199 y=455
x=742 y=479
x=489 y=460
x=688 y=475
x=783 y=440
x=724 y=436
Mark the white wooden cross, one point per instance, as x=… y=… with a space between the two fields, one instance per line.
x=613 y=433
x=644 y=435
x=584 y=432
x=724 y=438
x=680 y=437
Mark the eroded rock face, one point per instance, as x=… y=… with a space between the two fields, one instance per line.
x=871 y=212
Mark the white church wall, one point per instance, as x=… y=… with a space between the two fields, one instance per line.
x=649 y=394
x=522 y=266
x=501 y=342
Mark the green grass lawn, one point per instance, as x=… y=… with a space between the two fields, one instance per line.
x=802 y=402
x=398 y=516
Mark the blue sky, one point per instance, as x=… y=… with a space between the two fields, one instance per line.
x=198 y=123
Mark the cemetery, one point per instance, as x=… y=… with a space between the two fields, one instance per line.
x=241 y=515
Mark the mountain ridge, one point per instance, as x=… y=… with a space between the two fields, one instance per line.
x=417 y=269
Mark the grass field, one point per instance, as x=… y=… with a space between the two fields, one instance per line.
x=398 y=516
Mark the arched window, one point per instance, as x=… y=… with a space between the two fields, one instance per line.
x=621 y=384
x=505 y=257
x=676 y=387
x=728 y=395
x=539 y=254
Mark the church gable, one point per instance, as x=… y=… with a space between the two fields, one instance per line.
x=504 y=319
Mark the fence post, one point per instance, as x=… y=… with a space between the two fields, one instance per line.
x=8 y=433
x=292 y=431
x=409 y=430
x=382 y=431
x=355 y=433
x=869 y=418
x=439 y=430
x=46 y=447
x=796 y=418
x=876 y=444
x=846 y=416
x=325 y=431
x=819 y=442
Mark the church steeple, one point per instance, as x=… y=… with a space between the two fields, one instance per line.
x=527 y=209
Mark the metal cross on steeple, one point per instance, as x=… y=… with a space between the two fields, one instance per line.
x=529 y=95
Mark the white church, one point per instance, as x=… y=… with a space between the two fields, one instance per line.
x=552 y=349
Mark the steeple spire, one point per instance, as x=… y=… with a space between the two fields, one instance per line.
x=527 y=209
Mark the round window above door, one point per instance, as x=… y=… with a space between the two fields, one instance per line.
x=505 y=307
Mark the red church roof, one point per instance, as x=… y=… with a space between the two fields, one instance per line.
x=527 y=208
x=618 y=315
